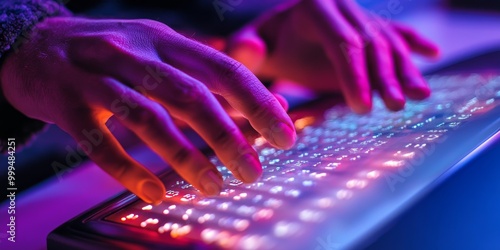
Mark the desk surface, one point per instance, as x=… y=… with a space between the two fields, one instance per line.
x=55 y=201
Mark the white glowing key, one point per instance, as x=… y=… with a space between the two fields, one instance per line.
x=241 y=224
x=325 y=202
x=189 y=211
x=276 y=189
x=229 y=242
x=148 y=207
x=373 y=174
x=272 y=202
x=185 y=217
x=245 y=210
x=208 y=235
x=393 y=163
x=263 y=214
x=171 y=207
x=292 y=192
x=208 y=216
x=201 y=220
x=186 y=229
x=250 y=242
x=222 y=236
x=354 y=183
x=307 y=183
x=344 y=194
x=308 y=215
x=409 y=155
x=260 y=141
x=285 y=229
x=166 y=211
x=223 y=206
x=320 y=175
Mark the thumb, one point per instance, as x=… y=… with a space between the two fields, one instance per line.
x=248 y=48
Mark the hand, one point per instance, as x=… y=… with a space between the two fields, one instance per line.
x=77 y=73
x=333 y=46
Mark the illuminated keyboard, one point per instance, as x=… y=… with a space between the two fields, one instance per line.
x=344 y=173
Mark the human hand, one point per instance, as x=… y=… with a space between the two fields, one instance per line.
x=77 y=73
x=333 y=46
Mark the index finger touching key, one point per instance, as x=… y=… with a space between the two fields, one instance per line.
x=112 y=158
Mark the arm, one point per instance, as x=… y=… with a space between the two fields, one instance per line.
x=17 y=19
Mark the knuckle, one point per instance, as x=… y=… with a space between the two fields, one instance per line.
x=98 y=46
x=144 y=116
x=229 y=70
x=149 y=24
x=225 y=137
x=262 y=109
x=184 y=94
x=181 y=157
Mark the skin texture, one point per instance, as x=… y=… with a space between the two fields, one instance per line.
x=77 y=73
x=334 y=46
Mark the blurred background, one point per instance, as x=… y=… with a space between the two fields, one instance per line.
x=461 y=214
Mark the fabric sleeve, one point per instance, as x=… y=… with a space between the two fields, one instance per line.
x=17 y=19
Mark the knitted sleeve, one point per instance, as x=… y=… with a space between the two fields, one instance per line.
x=17 y=19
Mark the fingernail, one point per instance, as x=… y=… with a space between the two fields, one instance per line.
x=362 y=105
x=283 y=135
x=151 y=192
x=211 y=183
x=249 y=168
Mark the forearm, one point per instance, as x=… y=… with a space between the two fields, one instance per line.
x=17 y=19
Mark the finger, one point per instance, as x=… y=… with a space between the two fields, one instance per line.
x=414 y=86
x=416 y=42
x=191 y=101
x=235 y=113
x=384 y=76
x=151 y=122
x=95 y=139
x=379 y=56
x=345 y=48
x=230 y=79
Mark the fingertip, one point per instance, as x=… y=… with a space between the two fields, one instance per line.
x=417 y=92
x=151 y=191
x=283 y=102
x=395 y=104
x=431 y=50
x=284 y=136
x=393 y=97
x=211 y=183
x=364 y=105
x=250 y=169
